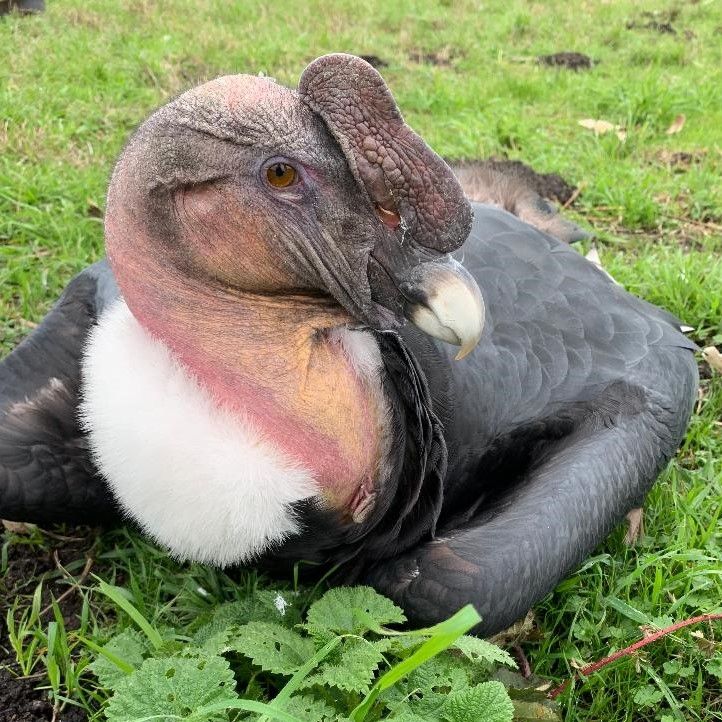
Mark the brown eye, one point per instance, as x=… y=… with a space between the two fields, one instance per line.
x=281 y=175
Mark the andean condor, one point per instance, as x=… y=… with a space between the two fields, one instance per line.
x=238 y=379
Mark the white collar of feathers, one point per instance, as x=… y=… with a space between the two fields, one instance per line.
x=199 y=480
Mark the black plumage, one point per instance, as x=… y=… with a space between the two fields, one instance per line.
x=510 y=466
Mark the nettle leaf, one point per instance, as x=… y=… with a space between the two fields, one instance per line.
x=172 y=688
x=648 y=696
x=486 y=702
x=272 y=647
x=480 y=651
x=408 y=713
x=351 y=667
x=310 y=709
x=263 y=605
x=320 y=635
x=442 y=674
x=219 y=642
x=130 y=647
x=714 y=667
x=335 y=610
x=426 y=691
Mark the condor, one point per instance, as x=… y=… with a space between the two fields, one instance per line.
x=307 y=343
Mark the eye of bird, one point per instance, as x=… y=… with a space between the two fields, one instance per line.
x=281 y=175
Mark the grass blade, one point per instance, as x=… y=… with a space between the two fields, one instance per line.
x=444 y=635
x=117 y=596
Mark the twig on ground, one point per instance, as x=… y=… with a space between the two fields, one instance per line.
x=75 y=582
x=521 y=661
x=653 y=637
x=574 y=195
x=61 y=537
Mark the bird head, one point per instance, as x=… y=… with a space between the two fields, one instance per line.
x=246 y=186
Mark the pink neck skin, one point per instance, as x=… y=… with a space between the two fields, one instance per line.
x=269 y=360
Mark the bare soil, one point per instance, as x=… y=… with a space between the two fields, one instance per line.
x=568 y=60
x=28 y=564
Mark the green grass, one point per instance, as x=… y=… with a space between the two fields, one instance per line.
x=75 y=81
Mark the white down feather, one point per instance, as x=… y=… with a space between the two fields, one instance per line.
x=199 y=480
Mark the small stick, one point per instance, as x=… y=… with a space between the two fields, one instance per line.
x=596 y=666
x=574 y=195
x=60 y=537
x=522 y=661
x=76 y=582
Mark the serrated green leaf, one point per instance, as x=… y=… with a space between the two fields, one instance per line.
x=129 y=646
x=406 y=715
x=351 y=667
x=485 y=702
x=444 y=635
x=272 y=647
x=310 y=709
x=335 y=610
x=647 y=696
x=442 y=674
x=262 y=606
x=426 y=690
x=172 y=688
x=480 y=651
x=714 y=667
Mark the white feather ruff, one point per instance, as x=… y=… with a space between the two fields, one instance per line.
x=198 y=479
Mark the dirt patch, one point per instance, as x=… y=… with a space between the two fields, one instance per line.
x=680 y=161
x=658 y=22
x=375 y=61
x=705 y=372
x=29 y=561
x=568 y=60
x=547 y=185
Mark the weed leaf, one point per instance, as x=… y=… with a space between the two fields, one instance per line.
x=479 y=651
x=486 y=702
x=272 y=647
x=130 y=646
x=335 y=610
x=310 y=709
x=647 y=696
x=352 y=666
x=172 y=688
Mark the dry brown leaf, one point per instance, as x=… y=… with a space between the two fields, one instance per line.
x=525 y=711
x=713 y=357
x=635 y=530
x=677 y=124
x=521 y=631
x=706 y=646
x=17 y=527
x=601 y=127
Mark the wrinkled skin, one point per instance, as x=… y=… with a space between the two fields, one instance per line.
x=211 y=147
x=395 y=167
x=241 y=278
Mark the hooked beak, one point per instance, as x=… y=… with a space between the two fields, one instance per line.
x=443 y=300
x=437 y=294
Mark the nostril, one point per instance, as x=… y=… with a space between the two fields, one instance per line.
x=389 y=218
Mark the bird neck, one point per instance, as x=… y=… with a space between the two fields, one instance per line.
x=290 y=364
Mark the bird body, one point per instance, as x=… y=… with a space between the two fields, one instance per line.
x=248 y=390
